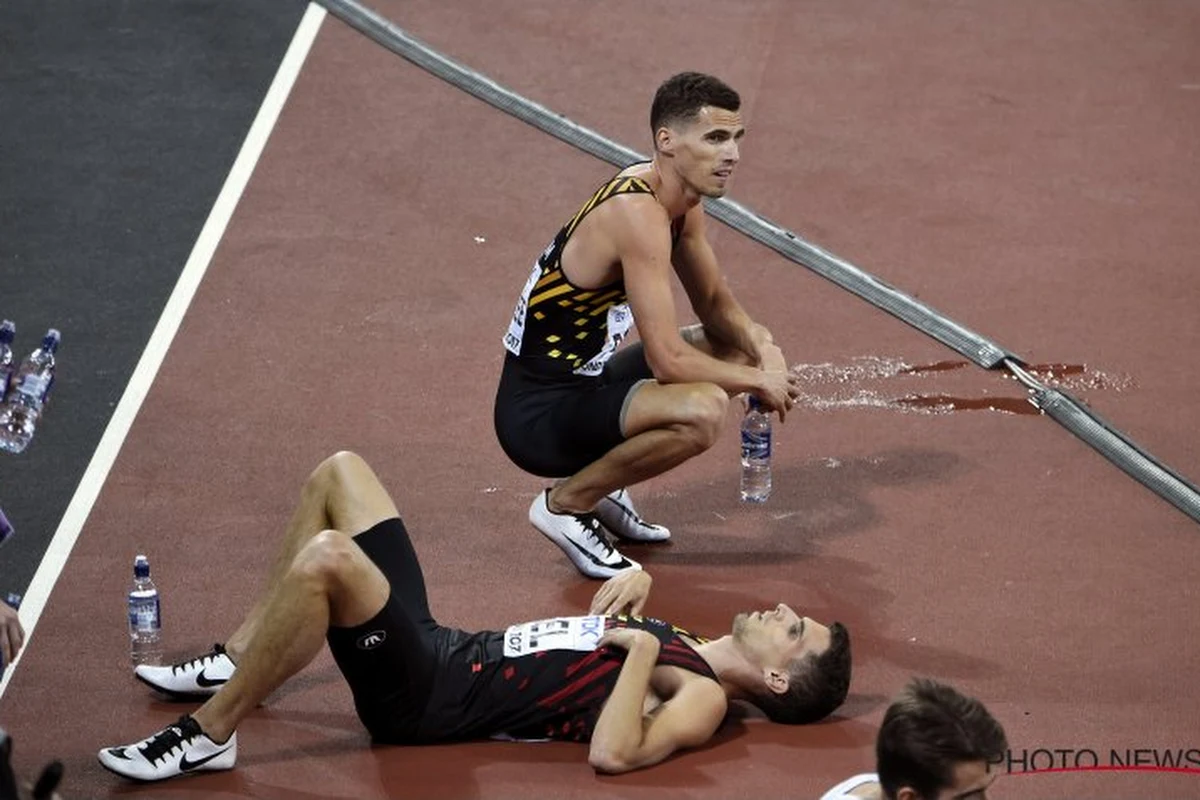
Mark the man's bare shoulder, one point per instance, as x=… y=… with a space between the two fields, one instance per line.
x=642 y=169
x=634 y=214
x=696 y=705
x=699 y=688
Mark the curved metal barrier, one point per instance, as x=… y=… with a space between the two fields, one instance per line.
x=1058 y=405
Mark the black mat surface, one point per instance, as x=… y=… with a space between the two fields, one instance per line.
x=119 y=121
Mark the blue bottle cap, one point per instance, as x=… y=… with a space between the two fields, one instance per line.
x=13 y=600
x=51 y=339
x=141 y=567
x=755 y=403
x=7 y=331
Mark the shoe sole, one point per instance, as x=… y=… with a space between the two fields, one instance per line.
x=177 y=695
x=104 y=764
x=176 y=776
x=137 y=778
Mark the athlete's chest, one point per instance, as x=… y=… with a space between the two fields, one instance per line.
x=665 y=682
x=590 y=259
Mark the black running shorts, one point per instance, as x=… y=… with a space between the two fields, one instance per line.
x=554 y=425
x=392 y=660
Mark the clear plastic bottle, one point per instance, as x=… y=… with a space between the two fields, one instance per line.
x=145 y=616
x=27 y=397
x=756 y=454
x=7 y=331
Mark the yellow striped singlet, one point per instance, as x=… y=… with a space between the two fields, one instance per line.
x=561 y=324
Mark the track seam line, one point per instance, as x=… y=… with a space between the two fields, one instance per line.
x=140 y=381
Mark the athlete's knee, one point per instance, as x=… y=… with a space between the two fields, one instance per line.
x=326 y=558
x=333 y=473
x=704 y=410
x=697 y=336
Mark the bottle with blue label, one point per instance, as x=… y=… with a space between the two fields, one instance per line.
x=27 y=396
x=756 y=453
x=7 y=332
x=145 y=616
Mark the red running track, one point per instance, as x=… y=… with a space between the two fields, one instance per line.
x=1029 y=168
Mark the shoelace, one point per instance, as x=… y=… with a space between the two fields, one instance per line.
x=198 y=660
x=169 y=738
x=594 y=530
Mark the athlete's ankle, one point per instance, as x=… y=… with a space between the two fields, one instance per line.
x=217 y=733
x=234 y=650
x=554 y=505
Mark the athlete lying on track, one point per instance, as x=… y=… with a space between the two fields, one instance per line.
x=638 y=689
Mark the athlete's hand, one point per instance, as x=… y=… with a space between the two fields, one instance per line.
x=628 y=638
x=12 y=635
x=623 y=593
x=777 y=391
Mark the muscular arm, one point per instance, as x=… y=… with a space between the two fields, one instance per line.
x=624 y=739
x=639 y=228
x=722 y=315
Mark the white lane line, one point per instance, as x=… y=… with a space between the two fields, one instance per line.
x=168 y=324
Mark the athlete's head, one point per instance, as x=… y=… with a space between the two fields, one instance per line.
x=937 y=744
x=696 y=127
x=805 y=665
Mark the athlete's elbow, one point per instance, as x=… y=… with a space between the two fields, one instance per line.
x=607 y=762
x=666 y=367
x=612 y=754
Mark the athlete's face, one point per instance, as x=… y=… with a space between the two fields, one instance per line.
x=705 y=149
x=774 y=638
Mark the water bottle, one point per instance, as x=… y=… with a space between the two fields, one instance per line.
x=7 y=331
x=756 y=454
x=145 y=616
x=19 y=415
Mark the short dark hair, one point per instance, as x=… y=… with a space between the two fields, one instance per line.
x=817 y=684
x=928 y=729
x=681 y=97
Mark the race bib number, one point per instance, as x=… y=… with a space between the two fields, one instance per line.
x=516 y=326
x=619 y=321
x=560 y=633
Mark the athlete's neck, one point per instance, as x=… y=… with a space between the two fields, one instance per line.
x=674 y=195
x=730 y=665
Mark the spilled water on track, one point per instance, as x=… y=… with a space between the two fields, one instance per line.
x=891 y=383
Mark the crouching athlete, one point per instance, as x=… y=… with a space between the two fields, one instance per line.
x=638 y=689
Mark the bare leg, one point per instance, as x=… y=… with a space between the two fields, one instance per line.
x=330 y=581
x=665 y=425
x=342 y=493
